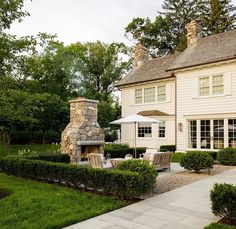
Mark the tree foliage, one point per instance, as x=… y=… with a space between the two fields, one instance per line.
x=217 y=16
x=167 y=33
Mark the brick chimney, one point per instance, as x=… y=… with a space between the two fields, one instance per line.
x=141 y=55
x=193 y=32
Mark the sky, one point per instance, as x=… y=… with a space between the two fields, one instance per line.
x=84 y=20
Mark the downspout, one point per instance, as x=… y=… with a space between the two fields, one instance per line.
x=176 y=129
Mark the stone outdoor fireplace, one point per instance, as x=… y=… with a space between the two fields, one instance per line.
x=83 y=135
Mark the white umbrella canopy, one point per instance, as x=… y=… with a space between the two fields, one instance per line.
x=135 y=119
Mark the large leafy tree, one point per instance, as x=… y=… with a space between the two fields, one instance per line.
x=96 y=67
x=217 y=16
x=167 y=33
x=158 y=36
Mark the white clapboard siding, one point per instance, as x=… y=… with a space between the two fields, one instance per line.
x=190 y=104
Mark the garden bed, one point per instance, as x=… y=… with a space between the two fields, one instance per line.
x=4 y=193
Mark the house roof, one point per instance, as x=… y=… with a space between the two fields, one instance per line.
x=207 y=50
x=154 y=69
x=153 y=113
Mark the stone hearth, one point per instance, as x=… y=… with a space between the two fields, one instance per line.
x=83 y=135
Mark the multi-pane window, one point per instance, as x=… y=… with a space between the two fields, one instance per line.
x=162 y=130
x=138 y=96
x=204 y=86
x=217 y=85
x=192 y=134
x=144 y=130
x=205 y=126
x=218 y=134
x=149 y=95
x=232 y=133
x=161 y=93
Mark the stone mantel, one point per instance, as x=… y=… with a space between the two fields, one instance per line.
x=91 y=143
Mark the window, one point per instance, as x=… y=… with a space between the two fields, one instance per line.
x=149 y=95
x=138 y=96
x=144 y=130
x=162 y=130
x=204 y=86
x=232 y=132
x=205 y=126
x=192 y=134
x=218 y=134
x=161 y=93
x=217 y=85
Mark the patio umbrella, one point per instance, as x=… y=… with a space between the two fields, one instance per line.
x=135 y=119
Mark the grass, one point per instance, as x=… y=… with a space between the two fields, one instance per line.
x=38 y=205
x=219 y=226
x=176 y=157
x=30 y=149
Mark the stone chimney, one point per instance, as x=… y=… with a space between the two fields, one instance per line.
x=193 y=32
x=83 y=134
x=141 y=55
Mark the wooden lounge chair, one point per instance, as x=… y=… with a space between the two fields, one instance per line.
x=158 y=159
x=96 y=160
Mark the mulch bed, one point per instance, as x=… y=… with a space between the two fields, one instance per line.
x=227 y=221
x=177 y=180
x=4 y=193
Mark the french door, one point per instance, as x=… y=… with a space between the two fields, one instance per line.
x=212 y=134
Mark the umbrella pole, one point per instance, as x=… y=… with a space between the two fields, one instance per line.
x=135 y=150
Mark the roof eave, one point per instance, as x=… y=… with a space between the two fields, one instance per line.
x=196 y=65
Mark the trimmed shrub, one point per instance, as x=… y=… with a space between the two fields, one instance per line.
x=116 y=146
x=62 y=158
x=120 y=153
x=227 y=156
x=147 y=172
x=166 y=148
x=212 y=153
x=223 y=199
x=115 y=182
x=197 y=161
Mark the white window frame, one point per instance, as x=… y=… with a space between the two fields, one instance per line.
x=135 y=97
x=199 y=86
x=154 y=96
x=211 y=86
x=160 y=129
x=143 y=125
x=218 y=85
x=158 y=100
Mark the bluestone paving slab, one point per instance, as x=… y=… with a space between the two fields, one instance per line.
x=187 y=207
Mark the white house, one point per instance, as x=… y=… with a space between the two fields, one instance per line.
x=193 y=93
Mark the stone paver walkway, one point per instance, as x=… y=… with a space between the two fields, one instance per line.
x=187 y=207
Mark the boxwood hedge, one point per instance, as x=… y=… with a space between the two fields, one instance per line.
x=115 y=182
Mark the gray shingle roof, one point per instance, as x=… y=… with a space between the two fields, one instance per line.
x=207 y=50
x=152 y=70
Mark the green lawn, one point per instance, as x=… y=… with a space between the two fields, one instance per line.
x=30 y=149
x=219 y=226
x=37 y=205
x=176 y=157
